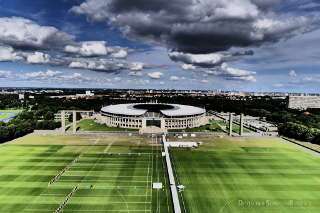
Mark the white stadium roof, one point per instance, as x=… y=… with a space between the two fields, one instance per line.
x=130 y=110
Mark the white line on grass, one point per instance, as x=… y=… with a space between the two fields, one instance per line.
x=108 y=147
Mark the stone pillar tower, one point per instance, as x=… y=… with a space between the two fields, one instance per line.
x=241 y=124
x=63 y=121
x=74 y=122
x=230 y=123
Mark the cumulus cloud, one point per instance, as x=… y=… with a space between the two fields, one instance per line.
x=23 y=33
x=204 y=81
x=88 y=48
x=233 y=73
x=4 y=74
x=136 y=66
x=292 y=73
x=188 y=67
x=97 y=64
x=8 y=54
x=203 y=60
x=56 y=76
x=174 y=78
x=120 y=54
x=42 y=74
x=198 y=26
x=155 y=75
x=38 y=58
x=135 y=73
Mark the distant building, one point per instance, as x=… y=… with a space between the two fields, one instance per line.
x=21 y=96
x=89 y=93
x=303 y=102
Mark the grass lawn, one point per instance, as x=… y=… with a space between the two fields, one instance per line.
x=91 y=125
x=113 y=174
x=248 y=175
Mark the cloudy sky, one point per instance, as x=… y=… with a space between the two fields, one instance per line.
x=248 y=45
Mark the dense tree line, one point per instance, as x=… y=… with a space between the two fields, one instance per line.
x=299 y=131
x=42 y=108
x=25 y=123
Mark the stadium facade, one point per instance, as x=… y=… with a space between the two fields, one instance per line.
x=158 y=115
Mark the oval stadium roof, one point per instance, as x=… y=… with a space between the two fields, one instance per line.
x=175 y=111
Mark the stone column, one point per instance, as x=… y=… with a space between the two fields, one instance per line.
x=74 y=122
x=230 y=123
x=241 y=125
x=63 y=121
x=144 y=123
x=163 y=123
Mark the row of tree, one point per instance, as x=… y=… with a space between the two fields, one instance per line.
x=299 y=132
x=25 y=123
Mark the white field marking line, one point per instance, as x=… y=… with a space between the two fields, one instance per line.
x=123 y=199
x=94 y=165
x=107 y=181
x=145 y=207
x=150 y=186
x=158 y=179
x=96 y=141
x=109 y=164
x=133 y=176
x=117 y=153
x=41 y=210
x=108 y=147
x=141 y=195
x=43 y=191
x=122 y=187
x=57 y=177
x=67 y=198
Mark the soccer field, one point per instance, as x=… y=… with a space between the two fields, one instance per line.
x=100 y=174
x=248 y=175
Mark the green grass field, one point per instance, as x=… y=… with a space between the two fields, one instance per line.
x=91 y=125
x=242 y=175
x=114 y=174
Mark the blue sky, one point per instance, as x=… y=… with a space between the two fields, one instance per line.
x=247 y=45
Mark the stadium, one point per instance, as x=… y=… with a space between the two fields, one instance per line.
x=144 y=115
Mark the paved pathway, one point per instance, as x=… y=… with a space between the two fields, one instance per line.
x=173 y=186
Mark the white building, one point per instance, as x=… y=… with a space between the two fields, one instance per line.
x=303 y=102
x=144 y=115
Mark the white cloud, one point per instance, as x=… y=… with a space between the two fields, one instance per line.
x=135 y=73
x=155 y=75
x=188 y=67
x=120 y=54
x=232 y=73
x=8 y=54
x=38 y=58
x=174 y=78
x=97 y=64
x=292 y=73
x=203 y=60
x=89 y=48
x=20 y=32
x=136 y=66
x=4 y=74
x=78 y=65
x=42 y=74
x=204 y=81
x=74 y=77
